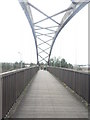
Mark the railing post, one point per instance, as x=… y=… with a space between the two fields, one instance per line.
x=89 y=90
x=89 y=55
x=0 y=98
x=0 y=92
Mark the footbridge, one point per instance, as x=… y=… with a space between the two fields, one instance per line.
x=51 y=93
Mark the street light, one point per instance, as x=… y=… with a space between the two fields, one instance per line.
x=60 y=60
x=20 y=58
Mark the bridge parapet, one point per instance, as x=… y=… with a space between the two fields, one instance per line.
x=79 y=82
x=13 y=83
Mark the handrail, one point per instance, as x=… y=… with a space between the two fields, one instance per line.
x=13 y=83
x=78 y=81
x=78 y=71
x=16 y=70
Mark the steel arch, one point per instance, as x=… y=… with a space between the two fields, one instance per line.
x=52 y=31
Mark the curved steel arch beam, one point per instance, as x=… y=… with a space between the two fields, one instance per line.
x=67 y=17
x=74 y=8
x=27 y=10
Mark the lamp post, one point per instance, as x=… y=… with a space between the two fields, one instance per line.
x=20 y=58
x=60 y=60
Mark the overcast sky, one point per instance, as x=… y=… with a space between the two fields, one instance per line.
x=16 y=36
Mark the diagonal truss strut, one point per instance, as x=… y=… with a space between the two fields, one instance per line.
x=51 y=31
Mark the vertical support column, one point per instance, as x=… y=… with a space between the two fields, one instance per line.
x=0 y=92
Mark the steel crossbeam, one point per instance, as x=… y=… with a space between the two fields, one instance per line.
x=42 y=32
x=47 y=28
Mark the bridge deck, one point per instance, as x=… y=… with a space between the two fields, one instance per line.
x=48 y=98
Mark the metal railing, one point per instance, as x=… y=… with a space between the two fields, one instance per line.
x=77 y=81
x=13 y=84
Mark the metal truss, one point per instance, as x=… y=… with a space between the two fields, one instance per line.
x=45 y=36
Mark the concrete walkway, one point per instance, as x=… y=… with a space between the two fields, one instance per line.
x=48 y=98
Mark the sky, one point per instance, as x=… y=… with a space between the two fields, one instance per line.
x=17 y=42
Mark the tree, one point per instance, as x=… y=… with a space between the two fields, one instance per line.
x=11 y=66
x=70 y=66
x=64 y=63
x=51 y=62
x=32 y=64
x=60 y=63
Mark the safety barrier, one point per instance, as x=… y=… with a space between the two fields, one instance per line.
x=13 y=83
x=77 y=81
